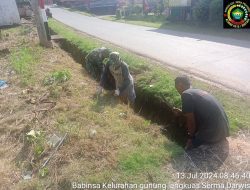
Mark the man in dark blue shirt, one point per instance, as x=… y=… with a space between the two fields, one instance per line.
x=206 y=120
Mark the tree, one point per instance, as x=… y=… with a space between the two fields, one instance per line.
x=215 y=11
x=201 y=11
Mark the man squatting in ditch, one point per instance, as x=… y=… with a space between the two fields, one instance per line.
x=116 y=77
x=206 y=120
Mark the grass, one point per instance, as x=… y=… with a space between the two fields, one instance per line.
x=149 y=21
x=130 y=149
x=23 y=60
x=120 y=148
x=158 y=82
x=138 y=66
x=85 y=13
x=57 y=77
x=85 y=44
x=38 y=142
x=138 y=161
x=146 y=157
x=236 y=106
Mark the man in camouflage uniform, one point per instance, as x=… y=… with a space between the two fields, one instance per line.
x=94 y=61
x=123 y=81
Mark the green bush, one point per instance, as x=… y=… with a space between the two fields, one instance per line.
x=208 y=11
x=127 y=11
x=215 y=11
x=57 y=77
x=37 y=140
x=201 y=11
x=159 y=7
x=137 y=10
x=118 y=14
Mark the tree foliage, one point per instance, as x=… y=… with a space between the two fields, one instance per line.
x=208 y=11
x=201 y=11
x=215 y=11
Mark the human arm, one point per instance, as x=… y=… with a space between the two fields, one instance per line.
x=191 y=128
x=117 y=92
x=177 y=112
x=188 y=113
x=190 y=124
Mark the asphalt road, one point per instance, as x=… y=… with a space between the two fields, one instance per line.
x=221 y=60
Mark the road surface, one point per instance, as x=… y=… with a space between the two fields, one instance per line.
x=221 y=60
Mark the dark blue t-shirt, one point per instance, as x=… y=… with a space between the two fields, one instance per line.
x=210 y=117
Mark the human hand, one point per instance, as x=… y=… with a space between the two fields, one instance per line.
x=117 y=92
x=177 y=111
x=189 y=144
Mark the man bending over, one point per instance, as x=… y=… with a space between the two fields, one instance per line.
x=206 y=120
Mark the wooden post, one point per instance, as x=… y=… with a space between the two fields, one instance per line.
x=40 y=25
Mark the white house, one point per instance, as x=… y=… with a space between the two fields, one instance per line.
x=8 y=13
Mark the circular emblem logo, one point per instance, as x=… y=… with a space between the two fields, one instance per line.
x=237 y=14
